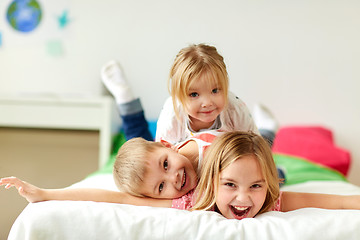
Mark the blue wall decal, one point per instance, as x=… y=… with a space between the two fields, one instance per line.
x=24 y=15
x=63 y=19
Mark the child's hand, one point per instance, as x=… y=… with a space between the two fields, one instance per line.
x=26 y=190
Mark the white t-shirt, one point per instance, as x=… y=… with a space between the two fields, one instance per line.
x=235 y=117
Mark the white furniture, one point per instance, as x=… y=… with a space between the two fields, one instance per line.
x=57 y=112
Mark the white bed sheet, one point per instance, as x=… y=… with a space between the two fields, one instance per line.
x=91 y=220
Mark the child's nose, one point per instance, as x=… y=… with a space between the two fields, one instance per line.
x=175 y=179
x=206 y=101
x=242 y=196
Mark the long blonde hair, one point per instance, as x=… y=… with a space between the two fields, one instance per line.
x=226 y=149
x=131 y=164
x=190 y=64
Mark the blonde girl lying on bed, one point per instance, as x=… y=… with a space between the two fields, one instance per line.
x=240 y=181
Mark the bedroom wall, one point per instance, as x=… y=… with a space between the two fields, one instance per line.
x=300 y=58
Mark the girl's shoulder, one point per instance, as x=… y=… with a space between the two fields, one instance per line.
x=168 y=103
x=235 y=101
x=237 y=116
x=168 y=109
x=236 y=108
x=168 y=127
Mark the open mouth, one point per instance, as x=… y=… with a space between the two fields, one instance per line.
x=240 y=212
x=183 y=180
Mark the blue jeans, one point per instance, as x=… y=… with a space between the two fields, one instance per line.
x=134 y=122
x=269 y=136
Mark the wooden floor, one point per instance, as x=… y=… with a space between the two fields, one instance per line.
x=45 y=158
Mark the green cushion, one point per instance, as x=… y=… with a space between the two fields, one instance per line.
x=299 y=170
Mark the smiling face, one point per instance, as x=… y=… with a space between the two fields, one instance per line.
x=204 y=102
x=242 y=189
x=168 y=175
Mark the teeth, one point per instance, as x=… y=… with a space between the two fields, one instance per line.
x=240 y=212
x=240 y=208
x=184 y=180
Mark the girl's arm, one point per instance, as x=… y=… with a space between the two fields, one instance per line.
x=296 y=200
x=34 y=194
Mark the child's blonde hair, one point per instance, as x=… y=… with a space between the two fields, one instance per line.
x=226 y=149
x=190 y=64
x=131 y=164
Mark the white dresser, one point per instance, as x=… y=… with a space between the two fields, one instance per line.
x=56 y=112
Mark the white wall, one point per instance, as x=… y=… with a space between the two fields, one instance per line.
x=300 y=58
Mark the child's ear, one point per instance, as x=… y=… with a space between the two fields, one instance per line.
x=166 y=144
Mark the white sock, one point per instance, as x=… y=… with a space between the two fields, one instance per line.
x=264 y=119
x=114 y=80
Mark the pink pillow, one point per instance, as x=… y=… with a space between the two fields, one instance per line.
x=314 y=143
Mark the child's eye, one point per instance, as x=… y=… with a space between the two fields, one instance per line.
x=215 y=90
x=230 y=184
x=193 y=94
x=166 y=164
x=161 y=187
x=256 y=186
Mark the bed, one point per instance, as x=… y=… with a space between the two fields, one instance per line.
x=92 y=220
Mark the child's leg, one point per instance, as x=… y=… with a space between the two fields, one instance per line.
x=266 y=122
x=114 y=80
x=134 y=122
x=268 y=126
x=130 y=108
x=268 y=135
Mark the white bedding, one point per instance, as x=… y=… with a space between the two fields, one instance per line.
x=91 y=220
